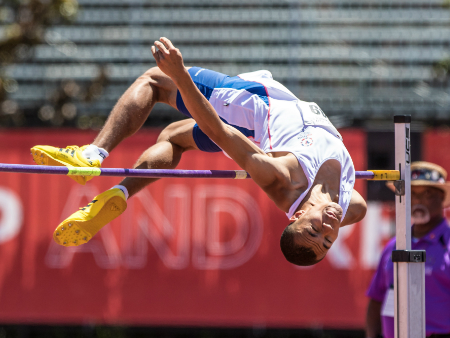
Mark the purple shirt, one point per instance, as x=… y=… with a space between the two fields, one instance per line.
x=437 y=280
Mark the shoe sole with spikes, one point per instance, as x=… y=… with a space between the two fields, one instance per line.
x=75 y=231
x=42 y=158
x=46 y=155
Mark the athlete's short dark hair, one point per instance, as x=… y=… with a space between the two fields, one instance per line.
x=294 y=253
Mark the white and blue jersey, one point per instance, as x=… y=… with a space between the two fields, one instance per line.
x=275 y=120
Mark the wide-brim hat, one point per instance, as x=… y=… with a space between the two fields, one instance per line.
x=428 y=174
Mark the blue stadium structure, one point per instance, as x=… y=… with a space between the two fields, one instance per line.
x=362 y=61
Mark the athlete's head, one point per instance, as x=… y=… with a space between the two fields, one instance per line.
x=311 y=232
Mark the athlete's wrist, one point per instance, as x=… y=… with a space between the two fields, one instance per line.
x=182 y=78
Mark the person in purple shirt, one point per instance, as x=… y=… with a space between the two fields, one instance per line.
x=430 y=194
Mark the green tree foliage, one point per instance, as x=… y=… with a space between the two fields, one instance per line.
x=23 y=26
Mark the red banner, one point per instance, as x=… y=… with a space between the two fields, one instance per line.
x=185 y=252
x=435 y=147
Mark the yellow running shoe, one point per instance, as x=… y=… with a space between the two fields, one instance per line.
x=71 y=156
x=81 y=226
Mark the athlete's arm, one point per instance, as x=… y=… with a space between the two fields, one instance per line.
x=263 y=169
x=356 y=209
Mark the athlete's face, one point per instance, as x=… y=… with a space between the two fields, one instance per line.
x=318 y=227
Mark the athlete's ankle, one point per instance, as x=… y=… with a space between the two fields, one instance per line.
x=124 y=190
x=93 y=152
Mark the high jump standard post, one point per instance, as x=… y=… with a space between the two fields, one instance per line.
x=409 y=265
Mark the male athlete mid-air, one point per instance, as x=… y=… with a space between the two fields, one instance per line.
x=288 y=146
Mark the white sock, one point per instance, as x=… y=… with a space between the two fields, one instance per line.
x=124 y=190
x=92 y=152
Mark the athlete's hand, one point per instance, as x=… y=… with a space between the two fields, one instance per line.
x=168 y=58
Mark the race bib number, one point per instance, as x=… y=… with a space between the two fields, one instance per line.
x=316 y=110
x=313 y=115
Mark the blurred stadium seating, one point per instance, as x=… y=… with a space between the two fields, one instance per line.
x=359 y=60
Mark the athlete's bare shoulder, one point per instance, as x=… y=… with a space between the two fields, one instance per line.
x=290 y=182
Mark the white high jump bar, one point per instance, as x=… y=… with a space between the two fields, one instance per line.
x=409 y=265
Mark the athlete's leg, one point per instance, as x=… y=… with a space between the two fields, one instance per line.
x=133 y=108
x=165 y=154
x=125 y=119
x=79 y=228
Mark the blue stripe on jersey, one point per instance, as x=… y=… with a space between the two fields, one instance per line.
x=236 y=82
x=205 y=80
x=204 y=143
x=245 y=131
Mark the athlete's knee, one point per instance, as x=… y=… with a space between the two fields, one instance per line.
x=162 y=86
x=179 y=134
x=166 y=134
x=151 y=74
